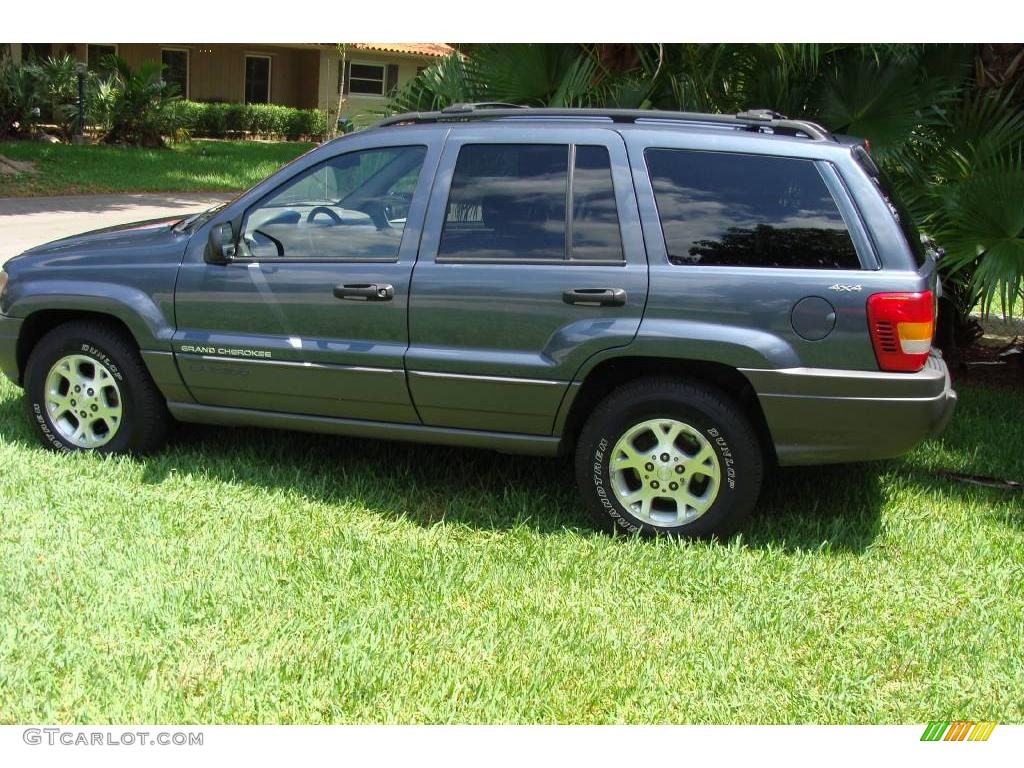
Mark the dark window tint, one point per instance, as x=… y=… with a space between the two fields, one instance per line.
x=257 y=79
x=507 y=201
x=896 y=208
x=595 y=219
x=351 y=208
x=176 y=69
x=747 y=210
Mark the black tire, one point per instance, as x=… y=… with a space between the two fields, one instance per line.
x=144 y=417
x=707 y=410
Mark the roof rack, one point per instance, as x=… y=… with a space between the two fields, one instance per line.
x=752 y=120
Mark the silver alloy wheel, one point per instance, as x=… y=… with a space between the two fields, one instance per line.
x=83 y=401
x=665 y=472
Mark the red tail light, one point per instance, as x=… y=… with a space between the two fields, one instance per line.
x=902 y=325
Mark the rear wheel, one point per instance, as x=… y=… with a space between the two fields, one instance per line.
x=87 y=389
x=669 y=456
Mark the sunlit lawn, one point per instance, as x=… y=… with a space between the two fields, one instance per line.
x=248 y=576
x=196 y=166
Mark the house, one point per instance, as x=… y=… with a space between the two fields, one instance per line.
x=304 y=75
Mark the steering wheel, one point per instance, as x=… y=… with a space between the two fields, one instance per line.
x=323 y=209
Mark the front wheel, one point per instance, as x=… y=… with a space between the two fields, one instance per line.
x=669 y=456
x=87 y=389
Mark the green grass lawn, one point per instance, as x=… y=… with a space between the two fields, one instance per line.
x=267 y=577
x=196 y=166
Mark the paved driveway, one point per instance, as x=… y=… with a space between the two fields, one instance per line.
x=28 y=221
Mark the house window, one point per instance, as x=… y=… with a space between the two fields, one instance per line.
x=366 y=79
x=175 y=61
x=96 y=55
x=257 y=79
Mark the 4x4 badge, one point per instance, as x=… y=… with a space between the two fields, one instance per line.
x=842 y=287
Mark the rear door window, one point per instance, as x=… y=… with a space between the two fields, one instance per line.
x=508 y=202
x=728 y=209
x=595 y=217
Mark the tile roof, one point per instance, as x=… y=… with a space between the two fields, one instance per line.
x=415 y=49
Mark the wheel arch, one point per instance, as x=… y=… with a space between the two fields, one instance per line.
x=36 y=325
x=611 y=373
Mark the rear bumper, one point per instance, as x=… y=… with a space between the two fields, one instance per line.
x=10 y=327
x=823 y=416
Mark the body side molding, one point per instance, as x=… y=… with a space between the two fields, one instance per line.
x=534 y=445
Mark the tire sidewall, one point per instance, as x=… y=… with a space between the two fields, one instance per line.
x=739 y=463
x=43 y=359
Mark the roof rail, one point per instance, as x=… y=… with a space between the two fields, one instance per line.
x=466 y=107
x=751 y=120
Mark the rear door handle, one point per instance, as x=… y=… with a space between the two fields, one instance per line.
x=595 y=297
x=365 y=291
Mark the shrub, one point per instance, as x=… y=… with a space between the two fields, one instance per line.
x=141 y=104
x=235 y=117
x=218 y=120
x=187 y=115
x=306 y=122
x=19 y=99
x=212 y=120
x=58 y=94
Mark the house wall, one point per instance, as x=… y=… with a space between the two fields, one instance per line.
x=300 y=76
x=363 y=110
x=217 y=70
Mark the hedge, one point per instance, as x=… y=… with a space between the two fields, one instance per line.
x=219 y=119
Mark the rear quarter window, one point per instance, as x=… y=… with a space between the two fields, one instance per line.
x=726 y=209
x=911 y=234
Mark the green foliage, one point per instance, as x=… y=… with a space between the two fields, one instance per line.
x=306 y=123
x=140 y=111
x=221 y=120
x=58 y=92
x=19 y=99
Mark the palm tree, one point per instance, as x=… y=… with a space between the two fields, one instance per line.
x=139 y=103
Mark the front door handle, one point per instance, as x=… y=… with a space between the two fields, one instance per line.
x=365 y=291
x=595 y=297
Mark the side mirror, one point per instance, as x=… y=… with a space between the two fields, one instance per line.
x=221 y=247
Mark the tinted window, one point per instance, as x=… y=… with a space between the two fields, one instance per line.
x=896 y=208
x=595 y=219
x=507 y=201
x=747 y=210
x=351 y=208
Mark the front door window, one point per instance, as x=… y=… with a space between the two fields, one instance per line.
x=351 y=208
